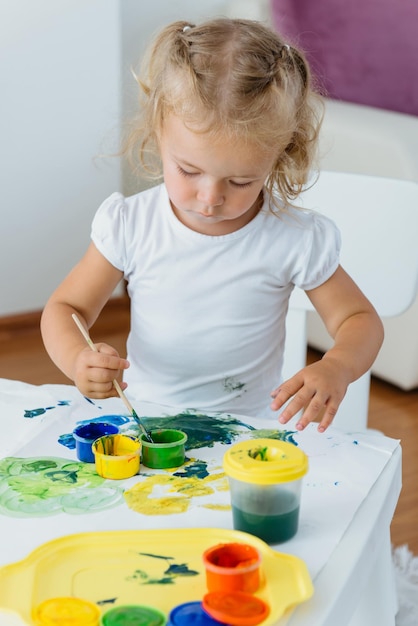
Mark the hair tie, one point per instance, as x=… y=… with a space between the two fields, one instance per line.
x=185 y=28
x=284 y=51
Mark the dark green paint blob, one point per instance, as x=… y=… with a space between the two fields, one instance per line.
x=156 y=556
x=168 y=576
x=62 y=476
x=197 y=469
x=230 y=384
x=38 y=466
x=180 y=570
x=259 y=454
x=203 y=431
x=105 y=602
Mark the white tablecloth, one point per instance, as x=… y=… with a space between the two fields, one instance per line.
x=36 y=425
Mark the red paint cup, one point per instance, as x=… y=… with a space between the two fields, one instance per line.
x=232 y=567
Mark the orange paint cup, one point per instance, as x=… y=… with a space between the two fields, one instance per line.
x=232 y=567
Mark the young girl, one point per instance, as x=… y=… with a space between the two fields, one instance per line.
x=211 y=255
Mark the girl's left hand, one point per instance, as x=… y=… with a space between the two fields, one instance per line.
x=317 y=389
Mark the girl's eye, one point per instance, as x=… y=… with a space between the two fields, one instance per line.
x=241 y=184
x=184 y=172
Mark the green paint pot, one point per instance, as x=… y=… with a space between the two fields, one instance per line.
x=166 y=450
x=134 y=615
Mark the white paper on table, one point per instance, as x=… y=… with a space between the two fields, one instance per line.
x=342 y=469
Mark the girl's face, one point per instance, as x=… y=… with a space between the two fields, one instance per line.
x=214 y=187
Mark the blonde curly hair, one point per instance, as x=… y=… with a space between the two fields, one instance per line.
x=235 y=79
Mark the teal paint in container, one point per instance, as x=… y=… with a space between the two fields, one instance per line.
x=265 y=479
x=166 y=450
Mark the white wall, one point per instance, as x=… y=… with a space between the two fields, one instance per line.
x=65 y=85
x=59 y=83
x=138 y=27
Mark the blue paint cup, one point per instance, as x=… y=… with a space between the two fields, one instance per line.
x=86 y=434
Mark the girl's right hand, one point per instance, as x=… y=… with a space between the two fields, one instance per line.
x=94 y=372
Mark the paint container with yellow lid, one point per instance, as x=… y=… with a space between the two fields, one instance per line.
x=66 y=612
x=265 y=479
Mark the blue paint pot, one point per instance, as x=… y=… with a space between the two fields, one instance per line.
x=86 y=434
x=191 y=614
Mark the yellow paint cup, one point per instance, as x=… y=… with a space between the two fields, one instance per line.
x=66 y=612
x=117 y=456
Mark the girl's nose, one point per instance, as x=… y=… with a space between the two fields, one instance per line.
x=210 y=194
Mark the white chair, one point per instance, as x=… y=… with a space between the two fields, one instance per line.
x=369 y=140
x=378 y=219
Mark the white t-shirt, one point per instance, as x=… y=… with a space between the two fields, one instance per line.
x=208 y=312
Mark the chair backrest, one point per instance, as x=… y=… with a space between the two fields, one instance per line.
x=378 y=220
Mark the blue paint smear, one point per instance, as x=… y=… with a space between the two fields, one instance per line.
x=35 y=412
x=91 y=402
x=31 y=413
x=117 y=420
x=67 y=440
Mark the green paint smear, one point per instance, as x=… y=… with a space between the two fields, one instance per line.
x=168 y=576
x=43 y=486
x=203 y=431
x=280 y=435
x=260 y=454
x=197 y=469
x=230 y=384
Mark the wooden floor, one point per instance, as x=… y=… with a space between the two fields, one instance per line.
x=394 y=412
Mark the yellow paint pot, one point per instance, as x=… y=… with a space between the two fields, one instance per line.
x=66 y=612
x=116 y=456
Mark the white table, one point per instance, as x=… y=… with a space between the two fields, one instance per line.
x=348 y=501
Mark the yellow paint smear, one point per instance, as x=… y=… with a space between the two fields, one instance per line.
x=152 y=496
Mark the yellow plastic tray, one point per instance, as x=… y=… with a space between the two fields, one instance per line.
x=159 y=568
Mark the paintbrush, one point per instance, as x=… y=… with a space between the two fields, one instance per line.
x=116 y=385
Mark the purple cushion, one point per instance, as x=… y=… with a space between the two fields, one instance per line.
x=363 y=51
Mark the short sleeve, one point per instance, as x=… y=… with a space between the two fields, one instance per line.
x=108 y=230
x=322 y=253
